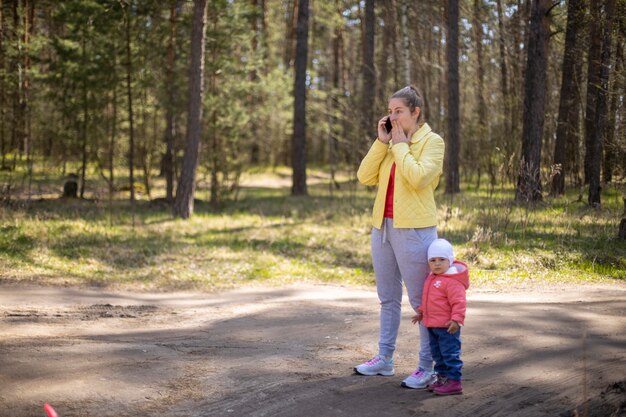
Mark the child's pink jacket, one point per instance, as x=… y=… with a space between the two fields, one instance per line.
x=443 y=298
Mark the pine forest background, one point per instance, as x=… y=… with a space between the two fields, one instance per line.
x=527 y=94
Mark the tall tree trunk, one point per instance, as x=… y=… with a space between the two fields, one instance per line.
x=15 y=70
x=441 y=76
x=3 y=148
x=394 y=42
x=593 y=82
x=84 y=122
x=290 y=40
x=567 y=125
x=516 y=88
x=333 y=107
x=131 y=121
x=483 y=142
x=452 y=54
x=504 y=79
x=529 y=180
x=29 y=21
x=299 y=186
x=255 y=27
x=368 y=69
x=170 y=116
x=385 y=52
x=214 y=136
x=601 y=113
x=406 y=43
x=611 y=150
x=113 y=134
x=183 y=204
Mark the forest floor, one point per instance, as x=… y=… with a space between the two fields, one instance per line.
x=290 y=351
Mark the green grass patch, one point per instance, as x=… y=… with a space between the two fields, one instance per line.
x=271 y=238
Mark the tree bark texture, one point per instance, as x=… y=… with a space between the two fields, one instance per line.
x=529 y=179
x=368 y=69
x=298 y=156
x=453 y=142
x=569 y=104
x=504 y=79
x=183 y=203
x=3 y=148
x=131 y=119
x=611 y=148
x=593 y=81
x=170 y=117
x=600 y=125
x=481 y=105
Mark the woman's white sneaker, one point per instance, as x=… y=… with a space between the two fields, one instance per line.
x=376 y=366
x=420 y=379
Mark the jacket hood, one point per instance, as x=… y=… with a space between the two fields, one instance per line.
x=462 y=275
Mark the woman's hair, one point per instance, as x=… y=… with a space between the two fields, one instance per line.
x=412 y=98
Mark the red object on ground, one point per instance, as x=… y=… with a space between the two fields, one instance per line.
x=50 y=410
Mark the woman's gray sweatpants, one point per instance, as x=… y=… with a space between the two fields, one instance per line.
x=400 y=255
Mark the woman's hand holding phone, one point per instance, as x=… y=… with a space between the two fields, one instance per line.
x=384 y=135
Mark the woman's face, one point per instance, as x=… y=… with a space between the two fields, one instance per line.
x=399 y=111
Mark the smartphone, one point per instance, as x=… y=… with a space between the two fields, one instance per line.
x=388 y=126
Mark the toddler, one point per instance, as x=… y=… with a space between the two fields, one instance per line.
x=443 y=313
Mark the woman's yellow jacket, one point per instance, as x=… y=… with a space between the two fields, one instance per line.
x=419 y=164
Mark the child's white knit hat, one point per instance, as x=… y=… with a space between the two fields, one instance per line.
x=441 y=248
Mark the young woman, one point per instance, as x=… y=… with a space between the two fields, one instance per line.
x=405 y=163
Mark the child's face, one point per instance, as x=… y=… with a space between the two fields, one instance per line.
x=439 y=265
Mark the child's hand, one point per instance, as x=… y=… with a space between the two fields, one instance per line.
x=453 y=326
x=417 y=318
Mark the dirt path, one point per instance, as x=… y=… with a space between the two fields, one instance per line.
x=290 y=352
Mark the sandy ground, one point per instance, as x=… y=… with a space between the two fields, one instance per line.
x=290 y=352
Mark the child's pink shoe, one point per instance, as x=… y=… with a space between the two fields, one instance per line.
x=438 y=382
x=450 y=387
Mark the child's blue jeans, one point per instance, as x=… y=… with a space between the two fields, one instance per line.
x=446 y=351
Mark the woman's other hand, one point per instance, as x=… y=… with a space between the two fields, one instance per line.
x=397 y=133
x=417 y=318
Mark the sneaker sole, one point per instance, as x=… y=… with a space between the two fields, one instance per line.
x=388 y=373
x=405 y=385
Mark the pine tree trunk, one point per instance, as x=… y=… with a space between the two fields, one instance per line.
x=3 y=148
x=333 y=105
x=170 y=117
x=529 y=180
x=131 y=120
x=299 y=186
x=113 y=136
x=593 y=82
x=601 y=113
x=384 y=55
x=567 y=125
x=290 y=38
x=368 y=69
x=394 y=43
x=254 y=28
x=15 y=71
x=83 y=126
x=453 y=143
x=483 y=139
x=504 y=79
x=611 y=150
x=183 y=204
x=406 y=43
